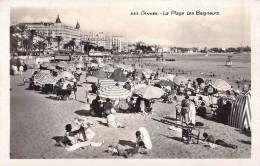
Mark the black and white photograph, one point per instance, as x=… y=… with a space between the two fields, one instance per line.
x=129 y=80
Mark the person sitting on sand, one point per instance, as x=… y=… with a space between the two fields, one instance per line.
x=143 y=139
x=108 y=105
x=111 y=121
x=131 y=104
x=211 y=139
x=80 y=138
x=202 y=110
x=96 y=103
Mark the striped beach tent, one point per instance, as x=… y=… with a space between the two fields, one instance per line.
x=220 y=84
x=240 y=115
x=113 y=92
x=107 y=82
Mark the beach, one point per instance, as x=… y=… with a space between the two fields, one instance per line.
x=36 y=118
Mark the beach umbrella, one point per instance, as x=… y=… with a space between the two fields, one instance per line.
x=67 y=74
x=147 y=71
x=200 y=80
x=92 y=65
x=169 y=77
x=179 y=79
x=51 y=67
x=221 y=85
x=162 y=78
x=79 y=65
x=165 y=83
x=71 y=68
x=62 y=64
x=44 y=78
x=99 y=74
x=106 y=82
x=118 y=76
x=149 y=92
x=108 y=69
x=44 y=71
x=113 y=92
x=118 y=66
x=46 y=64
x=240 y=115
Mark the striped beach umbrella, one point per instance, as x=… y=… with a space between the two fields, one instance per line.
x=44 y=78
x=149 y=92
x=113 y=92
x=179 y=79
x=107 y=82
x=240 y=115
x=221 y=85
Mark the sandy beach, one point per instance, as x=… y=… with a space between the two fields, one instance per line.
x=36 y=118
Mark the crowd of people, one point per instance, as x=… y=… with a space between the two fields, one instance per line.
x=106 y=108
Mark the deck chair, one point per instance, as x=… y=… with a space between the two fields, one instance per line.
x=178 y=112
x=189 y=133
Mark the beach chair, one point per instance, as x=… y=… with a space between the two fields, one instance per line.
x=178 y=112
x=189 y=133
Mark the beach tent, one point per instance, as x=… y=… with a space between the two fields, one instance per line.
x=118 y=76
x=240 y=115
x=178 y=79
x=99 y=74
x=149 y=92
x=107 y=82
x=221 y=85
x=44 y=78
x=113 y=92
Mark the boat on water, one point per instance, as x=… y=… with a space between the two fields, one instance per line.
x=169 y=59
x=229 y=61
x=206 y=54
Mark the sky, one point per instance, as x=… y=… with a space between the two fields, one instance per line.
x=229 y=29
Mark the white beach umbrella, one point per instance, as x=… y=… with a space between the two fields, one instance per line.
x=220 y=84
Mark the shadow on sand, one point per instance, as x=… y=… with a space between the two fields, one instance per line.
x=102 y=123
x=174 y=138
x=128 y=143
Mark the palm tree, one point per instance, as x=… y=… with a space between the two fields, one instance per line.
x=49 y=41
x=13 y=39
x=22 y=28
x=59 y=39
x=72 y=43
